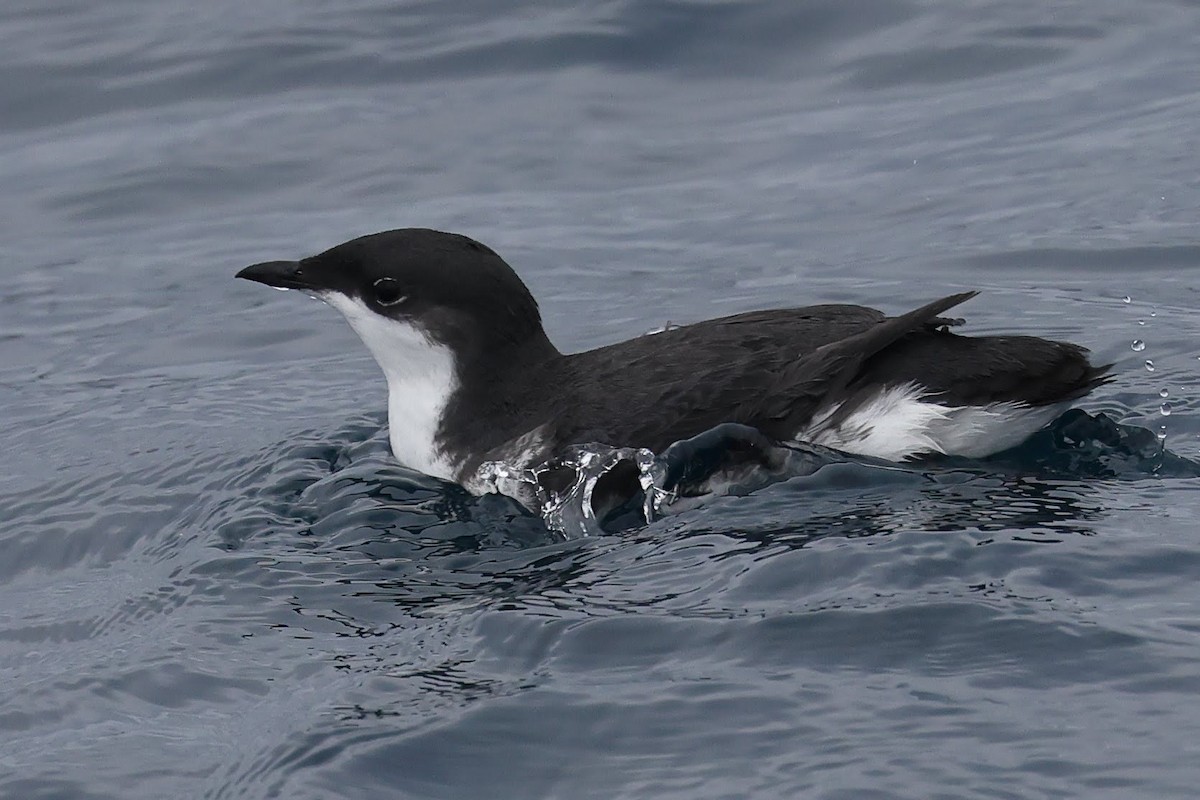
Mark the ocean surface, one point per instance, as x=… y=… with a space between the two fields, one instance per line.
x=215 y=582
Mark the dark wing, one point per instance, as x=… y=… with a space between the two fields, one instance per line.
x=658 y=389
x=825 y=375
x=970 y=370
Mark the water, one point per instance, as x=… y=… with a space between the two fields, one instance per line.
x=214 y=583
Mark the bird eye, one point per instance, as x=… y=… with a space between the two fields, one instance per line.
x=387 y=292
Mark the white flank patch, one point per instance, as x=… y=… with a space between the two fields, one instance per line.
x=897 y=423
x=420 y=379
x=978 y=431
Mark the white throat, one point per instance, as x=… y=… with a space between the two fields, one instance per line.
x=420 y=378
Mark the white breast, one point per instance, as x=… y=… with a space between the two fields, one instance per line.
x=420 y=378
x=898 y=423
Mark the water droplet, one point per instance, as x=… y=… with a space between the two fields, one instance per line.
x=1165 y=409
x=1149 y=365
x=1154 y=313
x=1138 y=346
x=1126 y=299
x=1163 y=392
x=1141 y=322
x=1162 y=433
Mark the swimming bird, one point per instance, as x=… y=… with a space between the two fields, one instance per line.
x=472 y=376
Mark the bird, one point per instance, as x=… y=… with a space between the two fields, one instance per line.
x=473 y=378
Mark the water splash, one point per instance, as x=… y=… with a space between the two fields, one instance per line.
x=1080 y=445
x=595 y=489
x=601 y=488
x=592 y=489
x=577 y=491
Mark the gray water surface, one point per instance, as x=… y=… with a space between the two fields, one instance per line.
x=214 y=582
